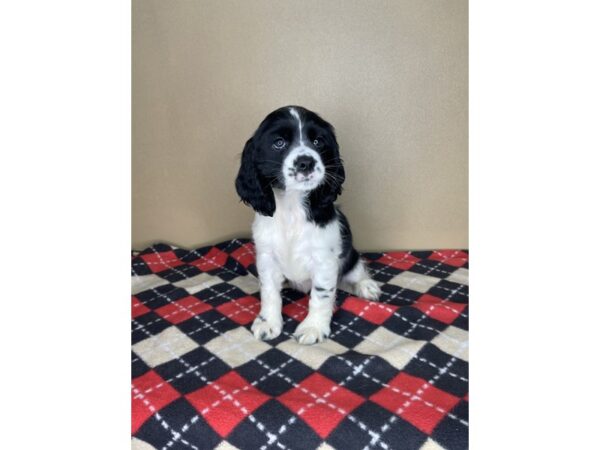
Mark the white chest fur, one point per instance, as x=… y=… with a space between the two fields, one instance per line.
x=296 y=245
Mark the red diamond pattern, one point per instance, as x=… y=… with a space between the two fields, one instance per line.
x=372 y=311
x=137 y=308
x=398 y=260
x=326 y=410
x=454 y=258
x=245 y=255
x=243 y=310
x=335 y=401
x=437 y=308
x=297 y=310
x=214 y=259
x=424 y=412
x=183 y=309
x=151 y=393
x=159 y=261
x=232 y=407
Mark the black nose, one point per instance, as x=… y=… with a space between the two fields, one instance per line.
x=304 y=164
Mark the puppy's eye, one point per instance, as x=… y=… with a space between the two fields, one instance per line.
x=279 y=143
x=318 y=142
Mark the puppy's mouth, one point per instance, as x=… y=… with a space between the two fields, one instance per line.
x=302 y=178
x=303 y=181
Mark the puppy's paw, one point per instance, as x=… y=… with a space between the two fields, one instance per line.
x=266 y=329
x=311 y=332
x=368 y=289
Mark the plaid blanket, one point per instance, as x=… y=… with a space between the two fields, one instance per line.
x=392 y=375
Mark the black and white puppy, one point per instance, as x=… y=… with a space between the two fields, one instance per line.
x=291 y=173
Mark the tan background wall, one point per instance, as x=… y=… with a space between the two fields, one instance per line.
x=390 y=75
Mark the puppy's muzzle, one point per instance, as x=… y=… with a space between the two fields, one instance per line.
x=304 y=164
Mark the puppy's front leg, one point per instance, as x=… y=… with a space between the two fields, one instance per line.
x=316 y=326
x=268 y=324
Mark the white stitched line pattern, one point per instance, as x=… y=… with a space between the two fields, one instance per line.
x=288 y=333
x=241 y=308
x=396 y=314
x=370 y=339
x=211 y=260
x=235 y=345
x=423 y=387
x=385 y=270
x=193 y=252
x=385 y=300
x=437 y=286
x=251 y=338
x=202 y=364
x=437 y=252
x=168 y=262
x=420 y=319
x=449 y=308
x=304 y=390
x=376 y=271
x=428 y=271
x=359 y=369
x=357 y=422
x=160 y=419
x=214 y=385
x=174 y=269
x=166 y=316
x=163 y=294
x=373 y=271
x=173 y=289
x=419 y=264
x=183 y=430
x=406 y=393
x=234 y=392
x=413 y=355
x=266 y=366
x=257 y=423
x=402 y=289
x=426 y=314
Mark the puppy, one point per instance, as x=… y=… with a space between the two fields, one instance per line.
x=290 y=174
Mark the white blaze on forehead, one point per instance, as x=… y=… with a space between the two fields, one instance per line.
x=296 y=116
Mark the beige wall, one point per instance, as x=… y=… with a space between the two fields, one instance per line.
x=390 y=75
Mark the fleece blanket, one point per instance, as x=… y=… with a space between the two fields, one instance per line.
x=392 y=375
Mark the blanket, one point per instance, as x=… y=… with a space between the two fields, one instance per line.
x=392 y=375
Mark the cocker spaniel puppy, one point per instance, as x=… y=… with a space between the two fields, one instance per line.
x=290 y=174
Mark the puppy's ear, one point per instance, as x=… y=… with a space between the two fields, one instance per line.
x=328 y=191
x=253 y=189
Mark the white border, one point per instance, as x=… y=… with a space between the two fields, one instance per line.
x=534 y=142
x=65 y=183
x=65 y=118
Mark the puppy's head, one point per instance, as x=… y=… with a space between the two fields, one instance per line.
x=292 y=149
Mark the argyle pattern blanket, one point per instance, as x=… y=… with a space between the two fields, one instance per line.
x=392 y=375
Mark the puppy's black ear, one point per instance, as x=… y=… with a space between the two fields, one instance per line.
x=324 y=196
x=253 y=189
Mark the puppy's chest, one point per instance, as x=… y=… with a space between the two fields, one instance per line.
x=299 y=246
x=294 y=246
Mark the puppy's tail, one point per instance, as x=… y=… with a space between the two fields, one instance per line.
x=358 y=281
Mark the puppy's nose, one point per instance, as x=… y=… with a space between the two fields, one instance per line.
x=304 y=164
